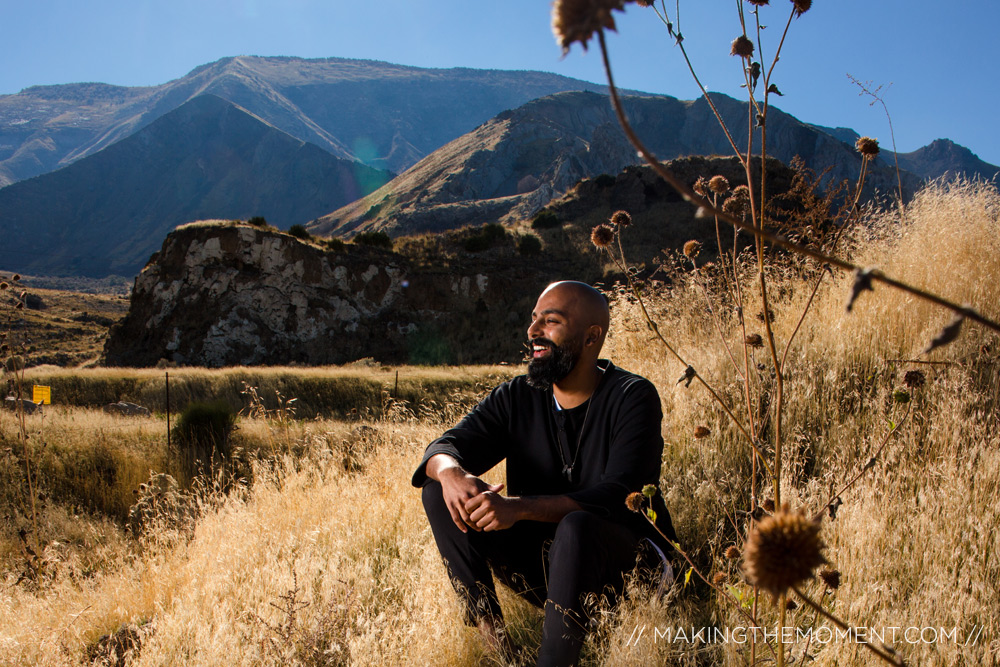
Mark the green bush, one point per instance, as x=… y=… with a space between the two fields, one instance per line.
x=529 y=245
x=337 y=245
x=257 y=221
x=545 y=220
x=203 y=435
x=376 y=239
x=299 y=232
x=490 y=236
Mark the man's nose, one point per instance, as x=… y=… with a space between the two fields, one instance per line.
x=534 y=330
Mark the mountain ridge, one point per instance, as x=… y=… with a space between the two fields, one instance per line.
x=508 y=168
x=206 y=159
x=46 y=127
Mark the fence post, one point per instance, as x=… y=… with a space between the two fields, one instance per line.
x=168 y=409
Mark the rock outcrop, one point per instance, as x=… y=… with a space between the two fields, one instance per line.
x=222 y=295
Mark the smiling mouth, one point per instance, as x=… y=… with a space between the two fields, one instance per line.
x=540 y=349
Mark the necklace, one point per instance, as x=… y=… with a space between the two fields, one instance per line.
x=567 y=469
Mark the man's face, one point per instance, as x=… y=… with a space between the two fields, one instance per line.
x=554 y=339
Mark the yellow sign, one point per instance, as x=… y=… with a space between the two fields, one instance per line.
x=41 y=394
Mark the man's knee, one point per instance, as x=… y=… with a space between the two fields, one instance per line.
x=434 y=506
x=432 y=495
x=576 y=536
x=579 y=526
x=589 y=540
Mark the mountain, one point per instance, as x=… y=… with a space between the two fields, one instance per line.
x=944 y=158
x=514 y=164
x=387 y=116
x=107 y=212
x=940 y=158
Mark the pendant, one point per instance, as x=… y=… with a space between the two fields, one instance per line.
x=568 y=472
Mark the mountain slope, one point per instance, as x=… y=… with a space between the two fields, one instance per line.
x=108 y=212
x=385 y=115
x=515 y=163
x=944 y=158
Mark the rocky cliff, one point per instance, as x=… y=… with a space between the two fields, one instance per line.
x=220 y=295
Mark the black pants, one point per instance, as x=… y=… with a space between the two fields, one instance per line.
x=553 y=566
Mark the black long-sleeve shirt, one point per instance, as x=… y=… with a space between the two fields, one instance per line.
x=619 y=450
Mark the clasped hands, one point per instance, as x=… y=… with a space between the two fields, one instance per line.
x=475 y=504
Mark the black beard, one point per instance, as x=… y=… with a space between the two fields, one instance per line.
x=547 y=370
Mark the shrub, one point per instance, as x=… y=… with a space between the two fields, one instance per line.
x=545 y=220
x=376 y=239
x=529 y=245
x=299 y=232
x=202 y=435
x=257 y=221
x=337 y=245
x=490 y=236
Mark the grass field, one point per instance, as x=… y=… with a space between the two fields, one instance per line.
x=326 y=559
x=335 y=391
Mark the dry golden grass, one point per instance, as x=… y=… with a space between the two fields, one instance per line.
x=319 y=391
x=318 y=565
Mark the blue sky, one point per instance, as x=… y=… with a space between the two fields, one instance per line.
x=936 y=56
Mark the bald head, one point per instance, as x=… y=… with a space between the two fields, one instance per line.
x=585 y=302
x=582 y=310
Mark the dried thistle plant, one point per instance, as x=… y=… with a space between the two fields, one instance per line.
x=782 y=551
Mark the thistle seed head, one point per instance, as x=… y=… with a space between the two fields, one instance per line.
x=621 y=219
x=741 y=47
x=701 y=186
x=4 y=286
x=692 y=248
x=702 y=432
x=830 y=577
x=578 y=20
x=758 y=3
x=17 y=276
x=867 y=146
x=768 y=506
x=802 y=6
x=602 y=236
x=719 y=578
x=914 y=379
x=732 y=553
x=782 y=551
x=754 y=340
x=634 y=501
x=719 y=184
x=738 y=203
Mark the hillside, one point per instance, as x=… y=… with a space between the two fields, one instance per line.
x=387 y=116
x=513 y=165
x=108 y=212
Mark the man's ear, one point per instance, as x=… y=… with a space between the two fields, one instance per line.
x=593 y=335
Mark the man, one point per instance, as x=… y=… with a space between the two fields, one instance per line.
x=578 y=436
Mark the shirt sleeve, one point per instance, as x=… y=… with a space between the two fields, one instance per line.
x=634 y=453
x=479 y=441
